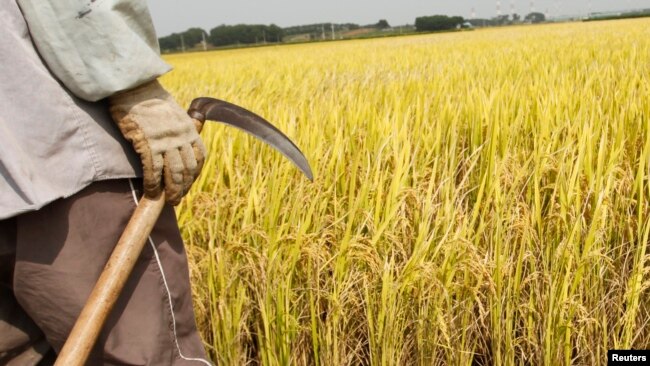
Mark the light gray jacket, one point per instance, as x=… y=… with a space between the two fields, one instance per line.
x=55 y=139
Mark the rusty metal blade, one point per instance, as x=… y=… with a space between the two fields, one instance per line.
x=217 y=110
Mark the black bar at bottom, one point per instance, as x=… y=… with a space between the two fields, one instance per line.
x=628 y=357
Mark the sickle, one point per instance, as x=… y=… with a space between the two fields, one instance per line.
x=76 y=349
x=247 y=121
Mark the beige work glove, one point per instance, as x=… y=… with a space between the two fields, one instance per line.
x=165 y=137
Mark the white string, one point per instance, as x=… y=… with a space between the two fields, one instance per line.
x=169 y=296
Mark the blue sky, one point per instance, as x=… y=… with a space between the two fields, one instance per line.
x=178 y=15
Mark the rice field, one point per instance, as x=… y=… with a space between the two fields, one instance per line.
x=480 y=198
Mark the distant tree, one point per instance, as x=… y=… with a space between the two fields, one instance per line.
x=170 y=43
x=274 y=33
x=382 y=24
x=175 y=41
x=225 y=35
x=194 y=36
x=501 y=20
x=516 y=17
x=437 y=23
x=535 y=17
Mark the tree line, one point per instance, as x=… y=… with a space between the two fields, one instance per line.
x=226 y=35
x=437 y=23
x=245 y=34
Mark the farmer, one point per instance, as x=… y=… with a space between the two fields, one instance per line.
x=85 y=130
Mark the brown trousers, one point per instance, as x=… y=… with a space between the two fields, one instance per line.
x=50 y=260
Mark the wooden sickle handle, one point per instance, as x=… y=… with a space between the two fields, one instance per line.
x=111 y=282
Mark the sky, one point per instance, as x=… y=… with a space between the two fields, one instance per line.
x=178 y=15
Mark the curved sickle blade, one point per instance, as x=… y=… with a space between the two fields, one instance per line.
x=218 y=110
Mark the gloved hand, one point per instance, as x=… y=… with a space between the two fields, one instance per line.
x=163 y=135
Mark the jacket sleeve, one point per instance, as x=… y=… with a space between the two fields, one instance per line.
x=95 y=47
